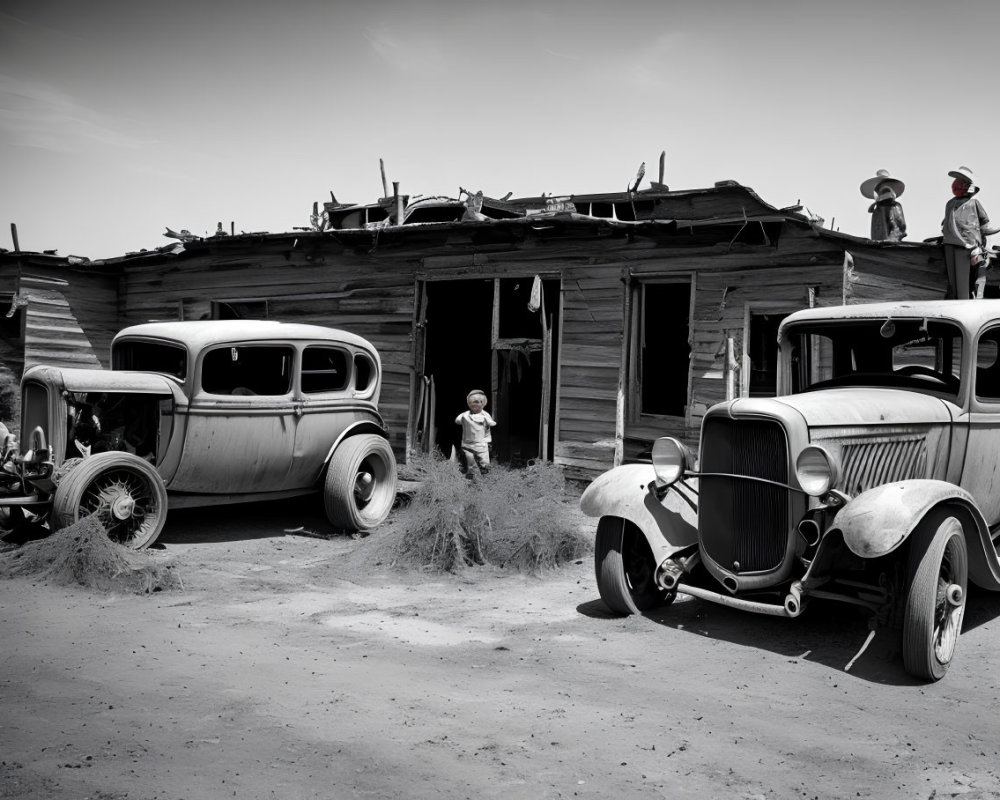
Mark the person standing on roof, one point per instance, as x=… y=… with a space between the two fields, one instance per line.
x=888 y=222
x=965 y=228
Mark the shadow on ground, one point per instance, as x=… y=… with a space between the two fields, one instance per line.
x=302 y=516
x=827 y=633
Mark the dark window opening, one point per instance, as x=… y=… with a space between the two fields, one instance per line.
x=168 y=359
x=364 y=371
x=763 y=352
x=435 y=214
x=637 y=209
x=988 y=367
x=239 y=309
x=247 y=370
x=11 y=318
x=517 y=319
x=324 y=369
x=665 y=347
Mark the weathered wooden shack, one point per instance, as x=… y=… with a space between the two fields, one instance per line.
x=595 y=322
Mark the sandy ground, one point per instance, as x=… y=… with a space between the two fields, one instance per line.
x=295 y=667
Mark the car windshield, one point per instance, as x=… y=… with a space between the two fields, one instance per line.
x=915 y=354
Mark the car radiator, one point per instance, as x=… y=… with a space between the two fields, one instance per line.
x=743 y=524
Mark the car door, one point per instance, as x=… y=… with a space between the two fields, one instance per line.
x=240 y=433
x=980 y=475
x=326 y=391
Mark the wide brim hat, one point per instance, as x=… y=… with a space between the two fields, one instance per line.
x=964 y=174
x=869 y=187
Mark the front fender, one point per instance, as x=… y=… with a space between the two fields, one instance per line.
x=669 y=525
x=877 y=522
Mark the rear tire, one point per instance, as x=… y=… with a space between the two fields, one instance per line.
x=361 y=481
x=625 y=570
x=935 y=603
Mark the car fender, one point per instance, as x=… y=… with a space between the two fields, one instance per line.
x=373 y=425
x=629 y=492
x=880 y=520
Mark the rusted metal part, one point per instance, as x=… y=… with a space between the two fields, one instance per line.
x=736 y=602
x=878 y=521
x=629 y=492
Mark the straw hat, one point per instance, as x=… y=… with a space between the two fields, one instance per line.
x=964 y=174
x=869 y=187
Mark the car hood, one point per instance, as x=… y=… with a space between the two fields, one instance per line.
x=854 y=406
x=100 y=380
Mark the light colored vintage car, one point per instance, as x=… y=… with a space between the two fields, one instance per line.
x=873 y=478
x=199 y=413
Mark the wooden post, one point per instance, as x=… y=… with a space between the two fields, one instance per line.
x=730 y=369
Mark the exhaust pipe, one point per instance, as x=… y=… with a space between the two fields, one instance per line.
x=810 y=531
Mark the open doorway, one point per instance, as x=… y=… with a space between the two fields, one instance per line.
x=498 y=335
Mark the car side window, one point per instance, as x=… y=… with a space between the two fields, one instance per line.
x=364 y=373
x=248 y=370
x=324 y=369
x=988 y=367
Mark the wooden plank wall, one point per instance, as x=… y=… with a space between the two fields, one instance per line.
x=70 y=317
x=370 y=290
x=728 y=282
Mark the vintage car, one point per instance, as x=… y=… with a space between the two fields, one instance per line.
x=199 y=413
x=873 y=478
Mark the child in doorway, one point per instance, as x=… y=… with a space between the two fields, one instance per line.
x=476 y=436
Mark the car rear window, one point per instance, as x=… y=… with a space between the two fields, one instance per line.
x=324 y=369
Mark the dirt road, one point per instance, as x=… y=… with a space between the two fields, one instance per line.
x=294 y=667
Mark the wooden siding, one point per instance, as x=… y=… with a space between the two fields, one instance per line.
x=70 y=319
x=365 y=281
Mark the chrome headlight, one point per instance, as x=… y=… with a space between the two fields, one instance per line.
x=671 y=459
x=817 y=471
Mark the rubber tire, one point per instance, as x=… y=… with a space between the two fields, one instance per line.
x=624 y=567
x=369 y=453
x=74 y=497
x=920 y=623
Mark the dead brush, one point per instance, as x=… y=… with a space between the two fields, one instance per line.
x=511 y=518
x=83 y=555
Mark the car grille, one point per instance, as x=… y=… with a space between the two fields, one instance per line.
x=866 y=465
x=743 y=525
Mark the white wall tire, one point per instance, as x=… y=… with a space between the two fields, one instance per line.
x=360 y=485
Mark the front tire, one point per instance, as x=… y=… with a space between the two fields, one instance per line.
x=623 y=562
x=360 y=485
x=935 y=604
x=124 y=491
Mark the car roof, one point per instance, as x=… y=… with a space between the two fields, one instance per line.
x=970 y=314
x=199 y=334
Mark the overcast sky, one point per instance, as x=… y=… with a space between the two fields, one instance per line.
x=120 y=119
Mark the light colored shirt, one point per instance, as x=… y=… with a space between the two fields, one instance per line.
x=964 y=221
x=475 y=427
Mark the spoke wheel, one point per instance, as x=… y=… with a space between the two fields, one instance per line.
x=360 y=485
x=935 y=604
x=623 y=563
x=124 y=491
